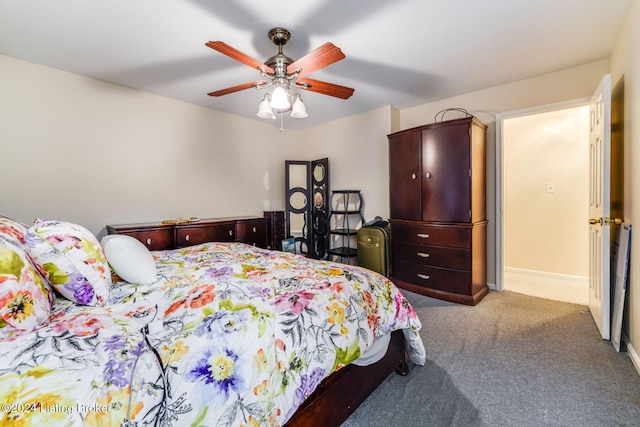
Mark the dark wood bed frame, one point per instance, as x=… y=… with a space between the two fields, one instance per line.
x=340 y=394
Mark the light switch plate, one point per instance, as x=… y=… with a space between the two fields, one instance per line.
x=551 y=187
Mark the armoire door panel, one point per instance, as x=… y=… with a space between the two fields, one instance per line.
x=404 y=178
x=445 y=176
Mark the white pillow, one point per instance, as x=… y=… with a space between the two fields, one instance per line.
x=129 y=258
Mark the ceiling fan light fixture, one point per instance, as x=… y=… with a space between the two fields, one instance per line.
x=281 y=72
x=264 y=109
x=299 y=111
x=280 y=98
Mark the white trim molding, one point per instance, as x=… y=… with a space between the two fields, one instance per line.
x=549 y=285
x=633 y=355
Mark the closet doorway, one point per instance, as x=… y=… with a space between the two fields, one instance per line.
x=545 y=200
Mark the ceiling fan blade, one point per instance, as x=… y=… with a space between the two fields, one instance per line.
x=325 y=55
x=234 y=53
x=325 y=88
x=237 y=88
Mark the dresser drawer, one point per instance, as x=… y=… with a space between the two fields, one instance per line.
x=455 y=281
x=196 y=233
x=154 y=238
x=438 y=256
x=458 y=236
x=252 y=231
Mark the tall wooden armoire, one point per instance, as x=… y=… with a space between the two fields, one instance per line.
x=437 y=193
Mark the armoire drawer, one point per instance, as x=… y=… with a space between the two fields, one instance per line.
x=252 y=231
x=458 y=236
x=437 y=256
x=197 y=233
x=454 y=281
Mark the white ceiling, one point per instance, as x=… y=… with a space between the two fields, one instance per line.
x=398 y=52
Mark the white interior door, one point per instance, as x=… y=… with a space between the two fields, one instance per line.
x=599 y=206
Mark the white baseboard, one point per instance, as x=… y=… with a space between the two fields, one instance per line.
x=543 y=284
x=633 y=355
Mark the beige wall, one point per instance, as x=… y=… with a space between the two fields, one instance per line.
x=625 y=63
x=547 y=231
x=100 y=154
x=357 y=148
x=94 y=153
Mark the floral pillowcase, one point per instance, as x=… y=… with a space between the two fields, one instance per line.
x=12 y=230
x=72 y=260
x=25 y=296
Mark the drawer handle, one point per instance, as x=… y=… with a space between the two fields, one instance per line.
x=230 y=232
x=423 y=276
x=186 y=237
x=422 y=235
x=413 y=176
x=422 y=255
x=254 y=230
x=149 y=241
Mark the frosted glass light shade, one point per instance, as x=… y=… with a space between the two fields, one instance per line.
x=299 y=111
x=280 y=99
x=264 y=109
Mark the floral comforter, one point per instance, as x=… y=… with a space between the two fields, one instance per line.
x=229 y=335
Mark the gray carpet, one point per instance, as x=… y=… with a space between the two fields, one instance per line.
x=513 y=360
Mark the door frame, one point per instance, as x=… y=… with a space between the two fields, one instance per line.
x=500 y=117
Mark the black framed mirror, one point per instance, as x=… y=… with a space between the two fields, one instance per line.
x=306 y=214
x=320 y=208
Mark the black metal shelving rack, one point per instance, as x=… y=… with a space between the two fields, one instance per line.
x=345 y=217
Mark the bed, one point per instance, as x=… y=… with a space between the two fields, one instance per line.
x=216 y=334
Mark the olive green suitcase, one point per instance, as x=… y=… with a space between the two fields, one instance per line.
x=373 y=249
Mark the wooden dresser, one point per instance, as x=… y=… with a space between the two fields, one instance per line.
x=275 y=229
x=438 y=210
x=158 y=236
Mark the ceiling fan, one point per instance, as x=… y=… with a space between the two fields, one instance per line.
x=282 y=72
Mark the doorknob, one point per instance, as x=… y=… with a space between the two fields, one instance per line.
x=605 y=221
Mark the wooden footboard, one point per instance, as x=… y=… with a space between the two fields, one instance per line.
x=339 y=395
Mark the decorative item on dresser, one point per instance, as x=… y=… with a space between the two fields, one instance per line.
x=275 y=229
x=438 y=209
x=159 y=236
